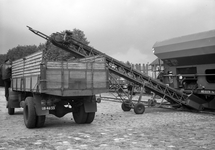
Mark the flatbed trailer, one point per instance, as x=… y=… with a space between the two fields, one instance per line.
x=45 y=87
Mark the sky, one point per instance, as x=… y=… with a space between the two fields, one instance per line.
x=123 y=29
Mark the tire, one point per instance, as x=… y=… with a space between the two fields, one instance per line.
x=29 y=113
x=125 y=106
x=80 y=116
x=40 y=121
x=90 y=117
x=139 y=108
x=11 y=111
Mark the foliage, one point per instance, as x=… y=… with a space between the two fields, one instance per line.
x=80 y=36
x=21 y=51
x=2 y=58
x=57 y=54
x=54 y=53
x=128 y=63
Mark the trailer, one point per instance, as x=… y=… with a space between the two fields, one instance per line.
x=189 y=65
x=43 y=87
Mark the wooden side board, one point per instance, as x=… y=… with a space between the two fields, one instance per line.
x=76 y=75
x=27 y=66
x=75 y=78
x=26 y=72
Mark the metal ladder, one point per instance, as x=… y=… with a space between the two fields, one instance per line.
x=116 y=67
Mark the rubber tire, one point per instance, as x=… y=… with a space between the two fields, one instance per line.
x=139 y=108
x=80 y=116
x=40 y=121
x=11 y=111
x=29 y=113
x=125 y=107
x=90 y=117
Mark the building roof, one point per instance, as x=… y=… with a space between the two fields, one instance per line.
x=156 y=62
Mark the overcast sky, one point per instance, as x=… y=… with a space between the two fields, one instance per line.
x=123 y=29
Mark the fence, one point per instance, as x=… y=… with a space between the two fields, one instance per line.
x=149 y=69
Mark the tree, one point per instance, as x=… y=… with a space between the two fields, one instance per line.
x=80 y=36
x=128 y=63
x=21 y=51
x=57 y=54
x=2 y=58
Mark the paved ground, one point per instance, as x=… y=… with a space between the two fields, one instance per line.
x=112 y=129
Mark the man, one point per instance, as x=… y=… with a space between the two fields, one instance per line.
x=6 y=75
x=130 y=88
x=67 y=33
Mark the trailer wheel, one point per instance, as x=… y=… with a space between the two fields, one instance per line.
x=80 y=116
x=40 y=121
x=139 y=108
x=90 y=117
x=125 y=106
x=11 y=111
x=29 y=113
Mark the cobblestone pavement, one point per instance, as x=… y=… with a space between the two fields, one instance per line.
x=112 y=129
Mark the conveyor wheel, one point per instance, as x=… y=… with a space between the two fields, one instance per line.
x=125 y=106
x=139 y=108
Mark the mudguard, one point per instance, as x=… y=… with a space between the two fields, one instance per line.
x=90 y=104
x=13 y=100
x=38 y=107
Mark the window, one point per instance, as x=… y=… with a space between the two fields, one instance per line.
x=210 y=75
x=187 y=70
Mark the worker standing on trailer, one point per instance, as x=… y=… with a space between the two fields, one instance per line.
x=67 y=33
x=6 y=76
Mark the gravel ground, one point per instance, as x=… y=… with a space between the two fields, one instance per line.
x=112 y=129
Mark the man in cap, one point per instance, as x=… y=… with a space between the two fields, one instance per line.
x=6 y=76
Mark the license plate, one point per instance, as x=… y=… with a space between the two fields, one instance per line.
x=48 y=108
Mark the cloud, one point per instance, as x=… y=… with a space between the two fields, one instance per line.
x=132 y=55
x=114 y=27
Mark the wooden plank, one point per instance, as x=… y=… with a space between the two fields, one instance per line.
x=92 y=59
x=27 y=83
x=31 y=71
x=89 y=79
x=24 y=75
x=99 y=79
x=17 y=70
x=31 y=82
x=40 y=53
x=68 y=92
x=53 y=79
x=69 y=65
x=31 y=68
x=34 y=82
x=35 y=61
x=17 y=65
x=99 y=66
x=18 y=61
